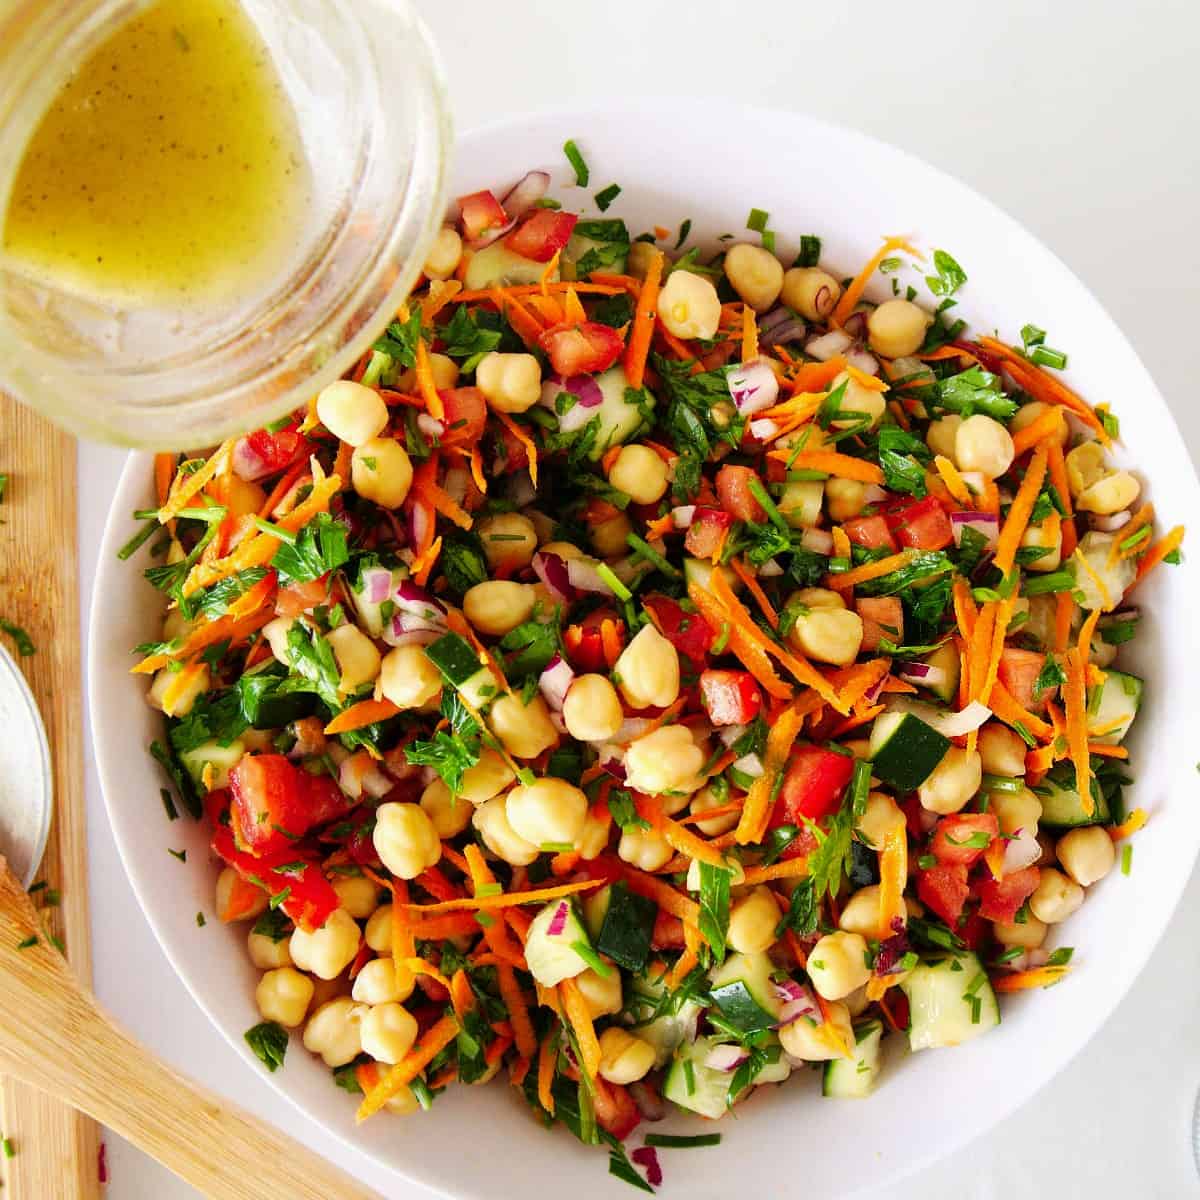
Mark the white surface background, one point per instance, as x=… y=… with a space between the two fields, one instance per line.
x=1082 y=120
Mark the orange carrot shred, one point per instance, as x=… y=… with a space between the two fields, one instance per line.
x=530 y=448
x=1164 y=546
x=547 y=1054
x=843 y=466
x=1130 y=825
x=504 y=899
x=365 y=712
x=432 y=1043
x=871 y=570
x=1047 y=425
x=757 y=810
x=1018 y=514
x=953 y=481
x=1075 y=699
x=893 y=876
x=747 y=576
x=644 y=319
x=424 y=374
x=577 y=1012
x=1022 y=981
x=858 y=285
x=461 y=996
x=749 y=334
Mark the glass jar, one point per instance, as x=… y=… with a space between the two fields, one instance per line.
x=370 y=107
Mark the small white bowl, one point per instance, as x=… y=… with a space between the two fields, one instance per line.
x=711 y=163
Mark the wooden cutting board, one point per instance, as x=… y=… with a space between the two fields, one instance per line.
x=55 y=1149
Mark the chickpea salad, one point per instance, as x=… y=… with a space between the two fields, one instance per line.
x=654 y=671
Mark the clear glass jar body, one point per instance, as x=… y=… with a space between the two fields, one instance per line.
x=370 y=104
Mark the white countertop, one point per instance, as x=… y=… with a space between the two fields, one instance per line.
x=1081 y=120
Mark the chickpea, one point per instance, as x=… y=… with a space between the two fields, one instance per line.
x=755 y=274
x=837 y=964
x=1056 y=897
x=381 y=472
x=942 y=436
x=491 y=821
x=405 y=839
x=524 y=729
x=602 y=993
x=880 y=817
x=388 y=1032
x=443 y=369
x=334 y=1031
x=444 y=255
x=861 y=912
x=984 y=445
x=592 y=709
x=266 y=953
x=449 y=814
x=897 y=328
x=328 y=951
x=752 y=922
x=1046 y=536
x=647 y=670
x=688 y=306
x=803 y=1038
x=825 y=629
x=704 y=801
x=383 y=981
x=800 y=503
x=487 y=778
x=608 y=537
x=1086 y=854
x=639 y=473
x=639 y=258
x=953 y=781
x=860 y=400
x=624 y=1058
x=593 y=841
x=665 y=760
x=283 y=995
x=509 y=539
x=498 y=605
x=811 y=292
x=511 y=383
x=276 y=634
x=356 y=656
x=352 y=412
x=1001 y=750
x=1110 y=494
x=1028 y=413
x=1085 y=466
x=644 y=849
x=378 y=933
x=225 y=884
x=547 y=811
x=1028 y=936
x=408 y=678
x=357 y=895
x=845 y=498
x=180 y=703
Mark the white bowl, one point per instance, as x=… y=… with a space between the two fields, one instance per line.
x=711 y=163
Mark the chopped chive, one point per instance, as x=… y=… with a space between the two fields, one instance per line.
x=31 y=940
x=684 y=230
x=640 y=547
x=9 y=1152
x=1132 y=540
x=757 y=220
x=547 y=202
x=806 y=475
x=169 y=804
x=592 y=959
x=40 y=886
x=577 y=162
x=485 y=920
x=768 y=240
x=606 y=196
x=722 y=641
x=283 y=535
x=144 y=534
x=53 y=898
x=618 y=588
x=200 y=920
x=488 y=889
x=810 y=251
x=179 y=854
x=1126 y=858
x=776 y=517
x=1031 y=335
x=1002 y=783
x=57 y=943
x=675 y=1141
x=1045 y=357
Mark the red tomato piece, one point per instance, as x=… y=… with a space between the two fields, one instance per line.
x=882 y=617
x=708 y=527
x=585 y=641
x=615 y=1110
x=1018 y=672
x=582 y=349
x=957 y=838
x=944 y=889
x=871 y=532
x=999 y=899
x=541 y=235
x=324 y=800
x=730 y=697
x=923 y=526
x=274 y=802
x=733 y=491
x=668 y=932
x=689 y=633
x=263 y=453
x=481 y=213
x=972 y=931
x=466 y=415
x=295 y=598
x=511 y=454
x=814 y=783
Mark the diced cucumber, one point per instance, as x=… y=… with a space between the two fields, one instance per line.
x=800 y=503
x=699 y=572
x=369 y=612
x=945 y=662
x=950 y=1002
x=855 y=1077
x=772 y=1072
x=742 y=990
x=1117 y=698
x=497 y=266
x=694 y=1086
x=904 y=750
x=480 y=689
x=626 y=928
x=454 y=657
x=664 y=1032
x=619 y=420
x=551 y=956
x=578 y=246
x=1062 y=806
x=595 y=905
x=223 y=759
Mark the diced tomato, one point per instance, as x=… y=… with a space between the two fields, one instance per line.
x=324 y=799
x=274 y=802
x=466 y=415
x=999 y=899
x=954 y=839
x=615 y=1110
x=481 y=213
x=708 y=527
x=913 y=816
x=1018 y=672
x=882 y=617
x=295 y=598
x=309 y=899
x=689 y=633
x=923 y=526
x=244 y=898
x=730 y=697
x=733 y=491
x=585 y=642
x=814 y=783
x=541 y=235
x=668 y=932
x=871 y=532
x=944 y=889
x=972 y=931
x=511 y=455
x=581 y=349
x=263 y=453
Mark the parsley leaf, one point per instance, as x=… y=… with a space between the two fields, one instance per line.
x=949 y=278
x=901 y=456
x=714 y=907
x=801 y=915
x=974 y=390
x=465 y=338
x=463 y=563
x=1050 y=676
x=269 y=1041
x=530 y=646
x=450 y=757
x=314 y=668
x=213 y=601
x=829 y=862
x=320 y=547
x=399 y=342
x=624 y=812
x=25 y=646
x=213 y=718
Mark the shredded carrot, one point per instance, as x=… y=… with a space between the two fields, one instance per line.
x=619 y=283
x=1022 y=981
x=428 y=389
x=749 y=334
x=187 y=487
x=434 y=1041
x=665 y=717
x=893 y=875
x=871 y=570
x=1129 y=826
x=1164 y=546
x=817 y=376
x=1003 y=615
x=518 y=1010
x=753 y=658
x=1043 y=428
x=164 y=473
x=1006 y=708
x=441 y=500
x=1075 y=700
x=953 y=481
x=564 y=863
x=1143 y=516
x=575 y=1007
x=286 y=482
x=857 y=720
x=711 y=814
x=423 y=564
x=852 y=294
x=965 y=611
x=747 y=576
x=365 y=712
x=644 y=318
x=461 y=996
x=503 y=899
x=757 y=810
x=1018 y=514
x=841 y=542
x=687 y=961
x=498 y=295
x=830 y=461
x=547 y=1054
x=853 y=683
x=548 y=274
x=610 y=641
x=519 y=433
x=994 y=857
x=222 y=629
x=787 y=868
x=548 y=309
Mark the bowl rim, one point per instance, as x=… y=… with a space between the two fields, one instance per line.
x=541 y=121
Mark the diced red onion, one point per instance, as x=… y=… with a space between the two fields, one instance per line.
x=420 y=523
x=764 y=428
x=728 y=734
x=798 y=1001
x=405 y=628
x=1021 y=851
x=1111 y=524
x=922 y=674
x=749 y=764
x=649 y=1102
x=874 y=494
x=780 y=326
x=752 y=387
x=726 y=1057
x=647 y=1158
x=948 y=724
x=555 y=680
x=418 y=637
x=584 y=388
x=430 y=426
x=413 y=598
x=583 y=576
x=527 y=192
x=862 y=360
x=872 y=693
x=770 y=569
x=828 y=345
x=631 y=729
x=855 y=324
x=682 y=516
x=614 y=765
x=247 y=463
x=491 y=235
x=819 y=541
x=551 y=569
x=354 y=781
x=377 y=584
x=1039 y=956
x=987 y=525
x=974 y=480
x=558 y=922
